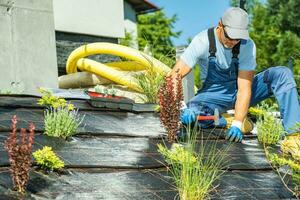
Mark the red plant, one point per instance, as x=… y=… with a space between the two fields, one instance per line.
x=170 y=98
x=19 y=152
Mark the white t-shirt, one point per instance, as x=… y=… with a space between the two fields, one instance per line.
x=198 y=52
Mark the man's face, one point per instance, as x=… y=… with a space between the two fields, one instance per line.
x=226 y=40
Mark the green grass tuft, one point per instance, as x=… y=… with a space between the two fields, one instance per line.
x=195 y=170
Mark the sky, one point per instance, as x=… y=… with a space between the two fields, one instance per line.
x=193 y=15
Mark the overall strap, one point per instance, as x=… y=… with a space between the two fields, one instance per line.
x=235 y=54
x=212 y=45
x=212 y=42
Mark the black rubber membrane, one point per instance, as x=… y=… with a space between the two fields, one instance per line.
x=118 y=152
x=135 y=185
x=114 y=156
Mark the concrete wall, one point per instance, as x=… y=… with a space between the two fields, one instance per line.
x=79 y=22
x=27 y=50
x=91 y=17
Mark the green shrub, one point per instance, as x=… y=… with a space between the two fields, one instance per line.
x=19 y=150
x=294 y=166
x=48 y=99
x=47 y=159
x=61 y=122
x=255 y=111
x=269 y=129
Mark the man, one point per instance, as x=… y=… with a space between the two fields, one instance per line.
x=227 y=59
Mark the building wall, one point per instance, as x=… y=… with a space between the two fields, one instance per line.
x=103 y=18
x=27 y=49
x=100 y=21
x=130 y=22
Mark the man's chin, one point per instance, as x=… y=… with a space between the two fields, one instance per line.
x=227 y=46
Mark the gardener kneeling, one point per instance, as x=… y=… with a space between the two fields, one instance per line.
x=227 y=59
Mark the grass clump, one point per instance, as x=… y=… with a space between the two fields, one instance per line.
x=149 y=83
x=61 y=122
x=47 y=159
x=194 y=171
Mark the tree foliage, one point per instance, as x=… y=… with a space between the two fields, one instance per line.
x=155 y=30
x=275 y=29
x=249 y=6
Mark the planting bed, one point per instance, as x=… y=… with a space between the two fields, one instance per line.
x=114 y=156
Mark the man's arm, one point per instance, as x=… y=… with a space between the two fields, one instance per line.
x=181 y=67
x=243 y=94
x=241 y=105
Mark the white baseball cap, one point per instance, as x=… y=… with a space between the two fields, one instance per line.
x=235 y=20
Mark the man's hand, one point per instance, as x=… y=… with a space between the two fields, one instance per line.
x=188 y=116
x=234 y=134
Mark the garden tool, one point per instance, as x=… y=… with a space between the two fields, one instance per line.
x=291 y=145
x=214 y=117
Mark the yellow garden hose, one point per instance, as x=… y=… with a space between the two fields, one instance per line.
x=116 y=71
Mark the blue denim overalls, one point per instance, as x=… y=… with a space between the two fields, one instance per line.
x=220 y=89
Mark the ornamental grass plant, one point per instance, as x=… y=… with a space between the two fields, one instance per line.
x=149 y=83
x=19 y=152
x=195 y=166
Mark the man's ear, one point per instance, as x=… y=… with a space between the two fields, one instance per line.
x=220 y=24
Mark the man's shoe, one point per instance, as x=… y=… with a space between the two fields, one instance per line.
x=291 y=145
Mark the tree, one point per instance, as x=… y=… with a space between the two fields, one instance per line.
x=275 y=30
x=128 y=41
x=156 y=30
x=249 y=5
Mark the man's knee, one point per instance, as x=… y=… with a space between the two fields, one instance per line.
x=281 y=79
x=281 y=72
